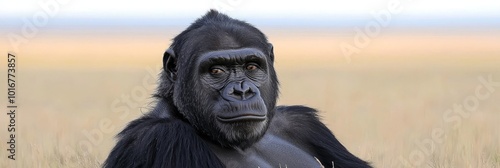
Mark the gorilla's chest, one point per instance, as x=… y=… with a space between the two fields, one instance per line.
x=270 y=151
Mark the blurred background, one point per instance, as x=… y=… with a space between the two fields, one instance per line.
x=401 y=83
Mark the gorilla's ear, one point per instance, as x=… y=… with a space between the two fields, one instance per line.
x=271 y=52
x=170 y=64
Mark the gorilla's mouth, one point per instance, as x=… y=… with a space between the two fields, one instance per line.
x=242 y=117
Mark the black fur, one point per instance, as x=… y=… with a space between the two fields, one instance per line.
x=158 y=140
x=226 y=117
x=304 y=126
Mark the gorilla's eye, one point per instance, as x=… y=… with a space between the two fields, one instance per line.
x=251 y=67
x=216 y=71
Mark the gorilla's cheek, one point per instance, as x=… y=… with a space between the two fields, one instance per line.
x=195 y=103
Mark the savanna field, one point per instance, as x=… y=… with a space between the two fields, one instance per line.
x=408 y=99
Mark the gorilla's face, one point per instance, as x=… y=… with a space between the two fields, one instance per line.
x=223 y=81
x=228 y=95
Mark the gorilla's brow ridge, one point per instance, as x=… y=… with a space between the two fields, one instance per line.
x=231 y=54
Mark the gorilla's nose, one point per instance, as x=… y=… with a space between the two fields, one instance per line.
x=239 y=91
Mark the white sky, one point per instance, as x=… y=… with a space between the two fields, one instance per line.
x=250 y=8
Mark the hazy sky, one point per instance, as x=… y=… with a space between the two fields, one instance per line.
x=290 y=9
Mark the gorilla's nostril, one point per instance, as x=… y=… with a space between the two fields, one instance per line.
x=239 y=91
x=248 y=95
x=241 y=94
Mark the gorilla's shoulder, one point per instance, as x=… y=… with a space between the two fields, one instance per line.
x=301 y=125
x=290 y=119
x=295 y=113
x=160 y=140
x=149 y=124
x=295 y=109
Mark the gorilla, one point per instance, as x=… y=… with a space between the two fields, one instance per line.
x=216 y=107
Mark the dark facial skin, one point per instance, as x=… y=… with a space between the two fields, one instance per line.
x=235 y=77
x=229 y=84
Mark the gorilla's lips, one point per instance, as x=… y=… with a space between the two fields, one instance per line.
x=252 y=110
x=241 y=117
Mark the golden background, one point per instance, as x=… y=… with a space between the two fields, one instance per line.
x=382 y=105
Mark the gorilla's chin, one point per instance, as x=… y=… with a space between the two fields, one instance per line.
x=242 y=134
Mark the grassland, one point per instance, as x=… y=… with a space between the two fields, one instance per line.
x=77 y=90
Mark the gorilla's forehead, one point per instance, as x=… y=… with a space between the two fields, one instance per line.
x=209 y=38
x=231 y=54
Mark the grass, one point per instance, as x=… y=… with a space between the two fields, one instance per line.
x=384 y=108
